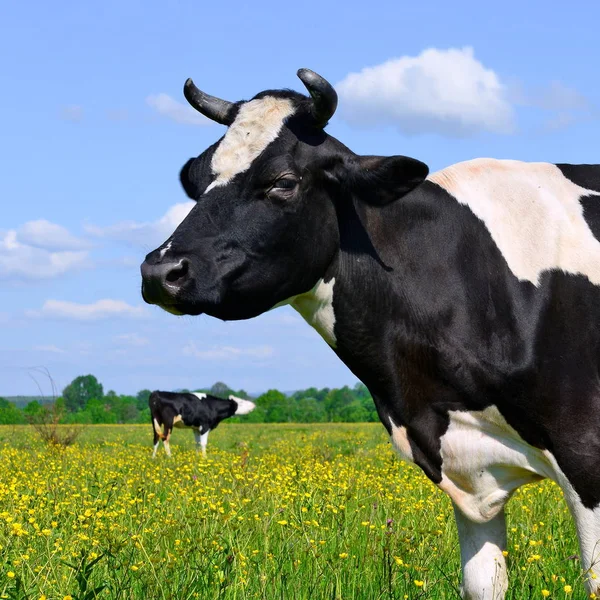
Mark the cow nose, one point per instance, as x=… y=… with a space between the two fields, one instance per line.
x=162 y=281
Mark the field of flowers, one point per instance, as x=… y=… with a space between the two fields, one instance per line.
x=275 y=511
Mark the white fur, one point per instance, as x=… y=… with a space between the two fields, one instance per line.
x=167 y=446
x=155 y=449
x=316 y=307
x=400 y=442
x=204 y=442
x=165 y=249
x=484 y=574
x=257 y=124
x=157 y=427
x=201 y=440
x=199 y=395
x=532 y=212
x=484 y=461
x=243 y=406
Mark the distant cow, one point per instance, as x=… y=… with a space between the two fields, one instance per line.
x=198 y=411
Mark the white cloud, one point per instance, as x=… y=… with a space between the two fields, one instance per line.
x=101 y=309
x=50 y=348
x=132 y=339
x=149 y=234
x=21 y=260
x=168 y=107
x=439 y=91
x=226 y=352
x=50 y=236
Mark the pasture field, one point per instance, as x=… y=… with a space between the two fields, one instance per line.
x=326 y=512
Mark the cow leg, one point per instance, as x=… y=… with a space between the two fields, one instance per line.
x=166 y=441
x=157 y=435
x=587 y=523
x=166 y=438
x=204 y=441
x=483 y=565
x=198 y=439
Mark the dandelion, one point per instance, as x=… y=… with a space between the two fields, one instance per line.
x=545 y=593
x=344 y=555
x=419 y=583
x=10 y=575
x=568 y=589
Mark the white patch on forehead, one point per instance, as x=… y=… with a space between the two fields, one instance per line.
x=485 y=460
x=199 y=395
x=165 y=249
x=257 y=124
x=532 y=212
x=316 y=307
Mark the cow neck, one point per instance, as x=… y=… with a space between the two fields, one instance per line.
x=378 y=298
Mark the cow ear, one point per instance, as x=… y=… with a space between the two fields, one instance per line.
x=187 y=181
x=379 y=180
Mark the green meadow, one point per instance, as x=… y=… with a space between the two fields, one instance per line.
x=320 y=511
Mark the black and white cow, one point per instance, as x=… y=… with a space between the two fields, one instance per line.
x=468 y=301
x=196 y=411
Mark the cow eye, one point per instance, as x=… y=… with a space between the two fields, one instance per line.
x=285 y=183
x=283 y=188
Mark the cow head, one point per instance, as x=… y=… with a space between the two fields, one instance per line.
x=266 y=222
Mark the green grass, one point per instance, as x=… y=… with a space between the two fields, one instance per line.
x=275 y=511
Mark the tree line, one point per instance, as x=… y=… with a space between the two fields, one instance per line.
x=84 y=401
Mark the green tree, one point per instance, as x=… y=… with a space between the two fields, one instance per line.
x=354 y=412
x=275 y=405
x=97 y=411
x=144 y=416
x=336 y=400
x=10 y=414
x=33 y=410
x=142 y=399
x=80 y=391
x=308 y=410
x=221 y=389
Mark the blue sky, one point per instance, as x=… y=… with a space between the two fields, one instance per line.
x=95 y=129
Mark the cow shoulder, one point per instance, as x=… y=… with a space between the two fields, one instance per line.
x=588 y=177
x=533 y=213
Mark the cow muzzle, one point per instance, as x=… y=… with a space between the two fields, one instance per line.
x=162 y=282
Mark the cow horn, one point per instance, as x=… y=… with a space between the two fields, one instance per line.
x=214 y=108
x=324 y=96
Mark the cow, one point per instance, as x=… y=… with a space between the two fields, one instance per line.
x=467 y=300
x=197 y=411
